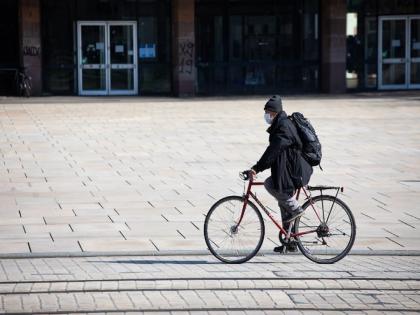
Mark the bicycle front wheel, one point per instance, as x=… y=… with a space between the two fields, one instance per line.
x=228 y=241
x=326 y=230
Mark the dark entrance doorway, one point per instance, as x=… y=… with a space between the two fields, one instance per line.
x=245 y=48
x=9 y=52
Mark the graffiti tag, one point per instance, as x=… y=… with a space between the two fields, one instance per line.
x=31 y=51
x=186 y=57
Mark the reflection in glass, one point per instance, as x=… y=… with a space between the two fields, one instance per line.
x=371 y=75
x=93 y=44
x=393 y=39
x=393 y=73
x=271 y=47
x=121 y=44
x=371 y=51
x=93 y=79
x=415 y=38
x=259 y=38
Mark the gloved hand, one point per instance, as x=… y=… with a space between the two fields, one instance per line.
x=248 y=174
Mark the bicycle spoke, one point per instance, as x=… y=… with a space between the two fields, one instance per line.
x=231 y=241
x=333 y=238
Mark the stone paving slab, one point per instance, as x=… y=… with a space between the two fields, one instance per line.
x=201 y=285
x=77 y=172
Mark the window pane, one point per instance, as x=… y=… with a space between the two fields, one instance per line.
x=106 y=9
x=147 y=37
x=93 y=79
x=58 y=57
x=287 y=38
x=393 y=39
x=415 y=73
x=259 y=41
x=310 y=30
x=121 y=44
x=415 y=38
x=393 y=73
x=235 y=39
x=218 y=38
x=122 y=79
x=93 y=44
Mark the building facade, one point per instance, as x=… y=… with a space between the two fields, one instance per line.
x=209 y=47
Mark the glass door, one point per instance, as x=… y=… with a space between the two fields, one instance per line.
x=123 y=65
x=107 y=58
x=414 y=52
x=392 y=52
x=399 y=52
x=92 y=58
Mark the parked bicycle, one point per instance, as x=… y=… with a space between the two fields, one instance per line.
x=24 y=83
x=234 y=228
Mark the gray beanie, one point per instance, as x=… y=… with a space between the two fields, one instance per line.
x=274 y=104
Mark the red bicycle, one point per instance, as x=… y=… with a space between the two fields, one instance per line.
x=234 y=228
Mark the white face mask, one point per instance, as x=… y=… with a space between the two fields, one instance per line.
x=268 y=119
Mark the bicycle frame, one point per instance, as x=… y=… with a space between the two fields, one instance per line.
x=249 y=194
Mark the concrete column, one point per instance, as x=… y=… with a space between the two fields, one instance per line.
x=333 y=46
x=183 y=47
x=30 y=41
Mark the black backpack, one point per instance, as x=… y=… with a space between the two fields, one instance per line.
x=311 y=147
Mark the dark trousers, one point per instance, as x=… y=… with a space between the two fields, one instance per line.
x=287 y=203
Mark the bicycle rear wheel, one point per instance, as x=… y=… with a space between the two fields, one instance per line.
x=227 y=241
x=329 y=229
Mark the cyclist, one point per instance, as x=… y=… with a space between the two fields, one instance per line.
x=289 y=170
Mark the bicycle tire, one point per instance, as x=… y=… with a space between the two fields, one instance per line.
x=209 y=243
x=346 y=250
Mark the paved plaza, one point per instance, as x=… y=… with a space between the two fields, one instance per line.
x=123 y=186
x=201 y=285
x=127 y=175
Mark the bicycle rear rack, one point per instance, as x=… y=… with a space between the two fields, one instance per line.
x=313 y=188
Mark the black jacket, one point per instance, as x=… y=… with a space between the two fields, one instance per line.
x=289 y=170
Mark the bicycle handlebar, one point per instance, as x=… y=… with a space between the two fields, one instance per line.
x=246 y=175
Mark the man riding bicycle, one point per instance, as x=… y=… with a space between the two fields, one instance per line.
x=289 y=170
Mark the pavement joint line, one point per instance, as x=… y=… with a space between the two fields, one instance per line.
x=331 y=290
x=212 y=278
x=225 y=309
x=186 y=253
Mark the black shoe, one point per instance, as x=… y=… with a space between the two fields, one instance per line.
x=291 y=216
x=279 y=249
x=290 y=248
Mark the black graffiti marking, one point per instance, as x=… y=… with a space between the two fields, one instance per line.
x=31 y=51
x=186 y=57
